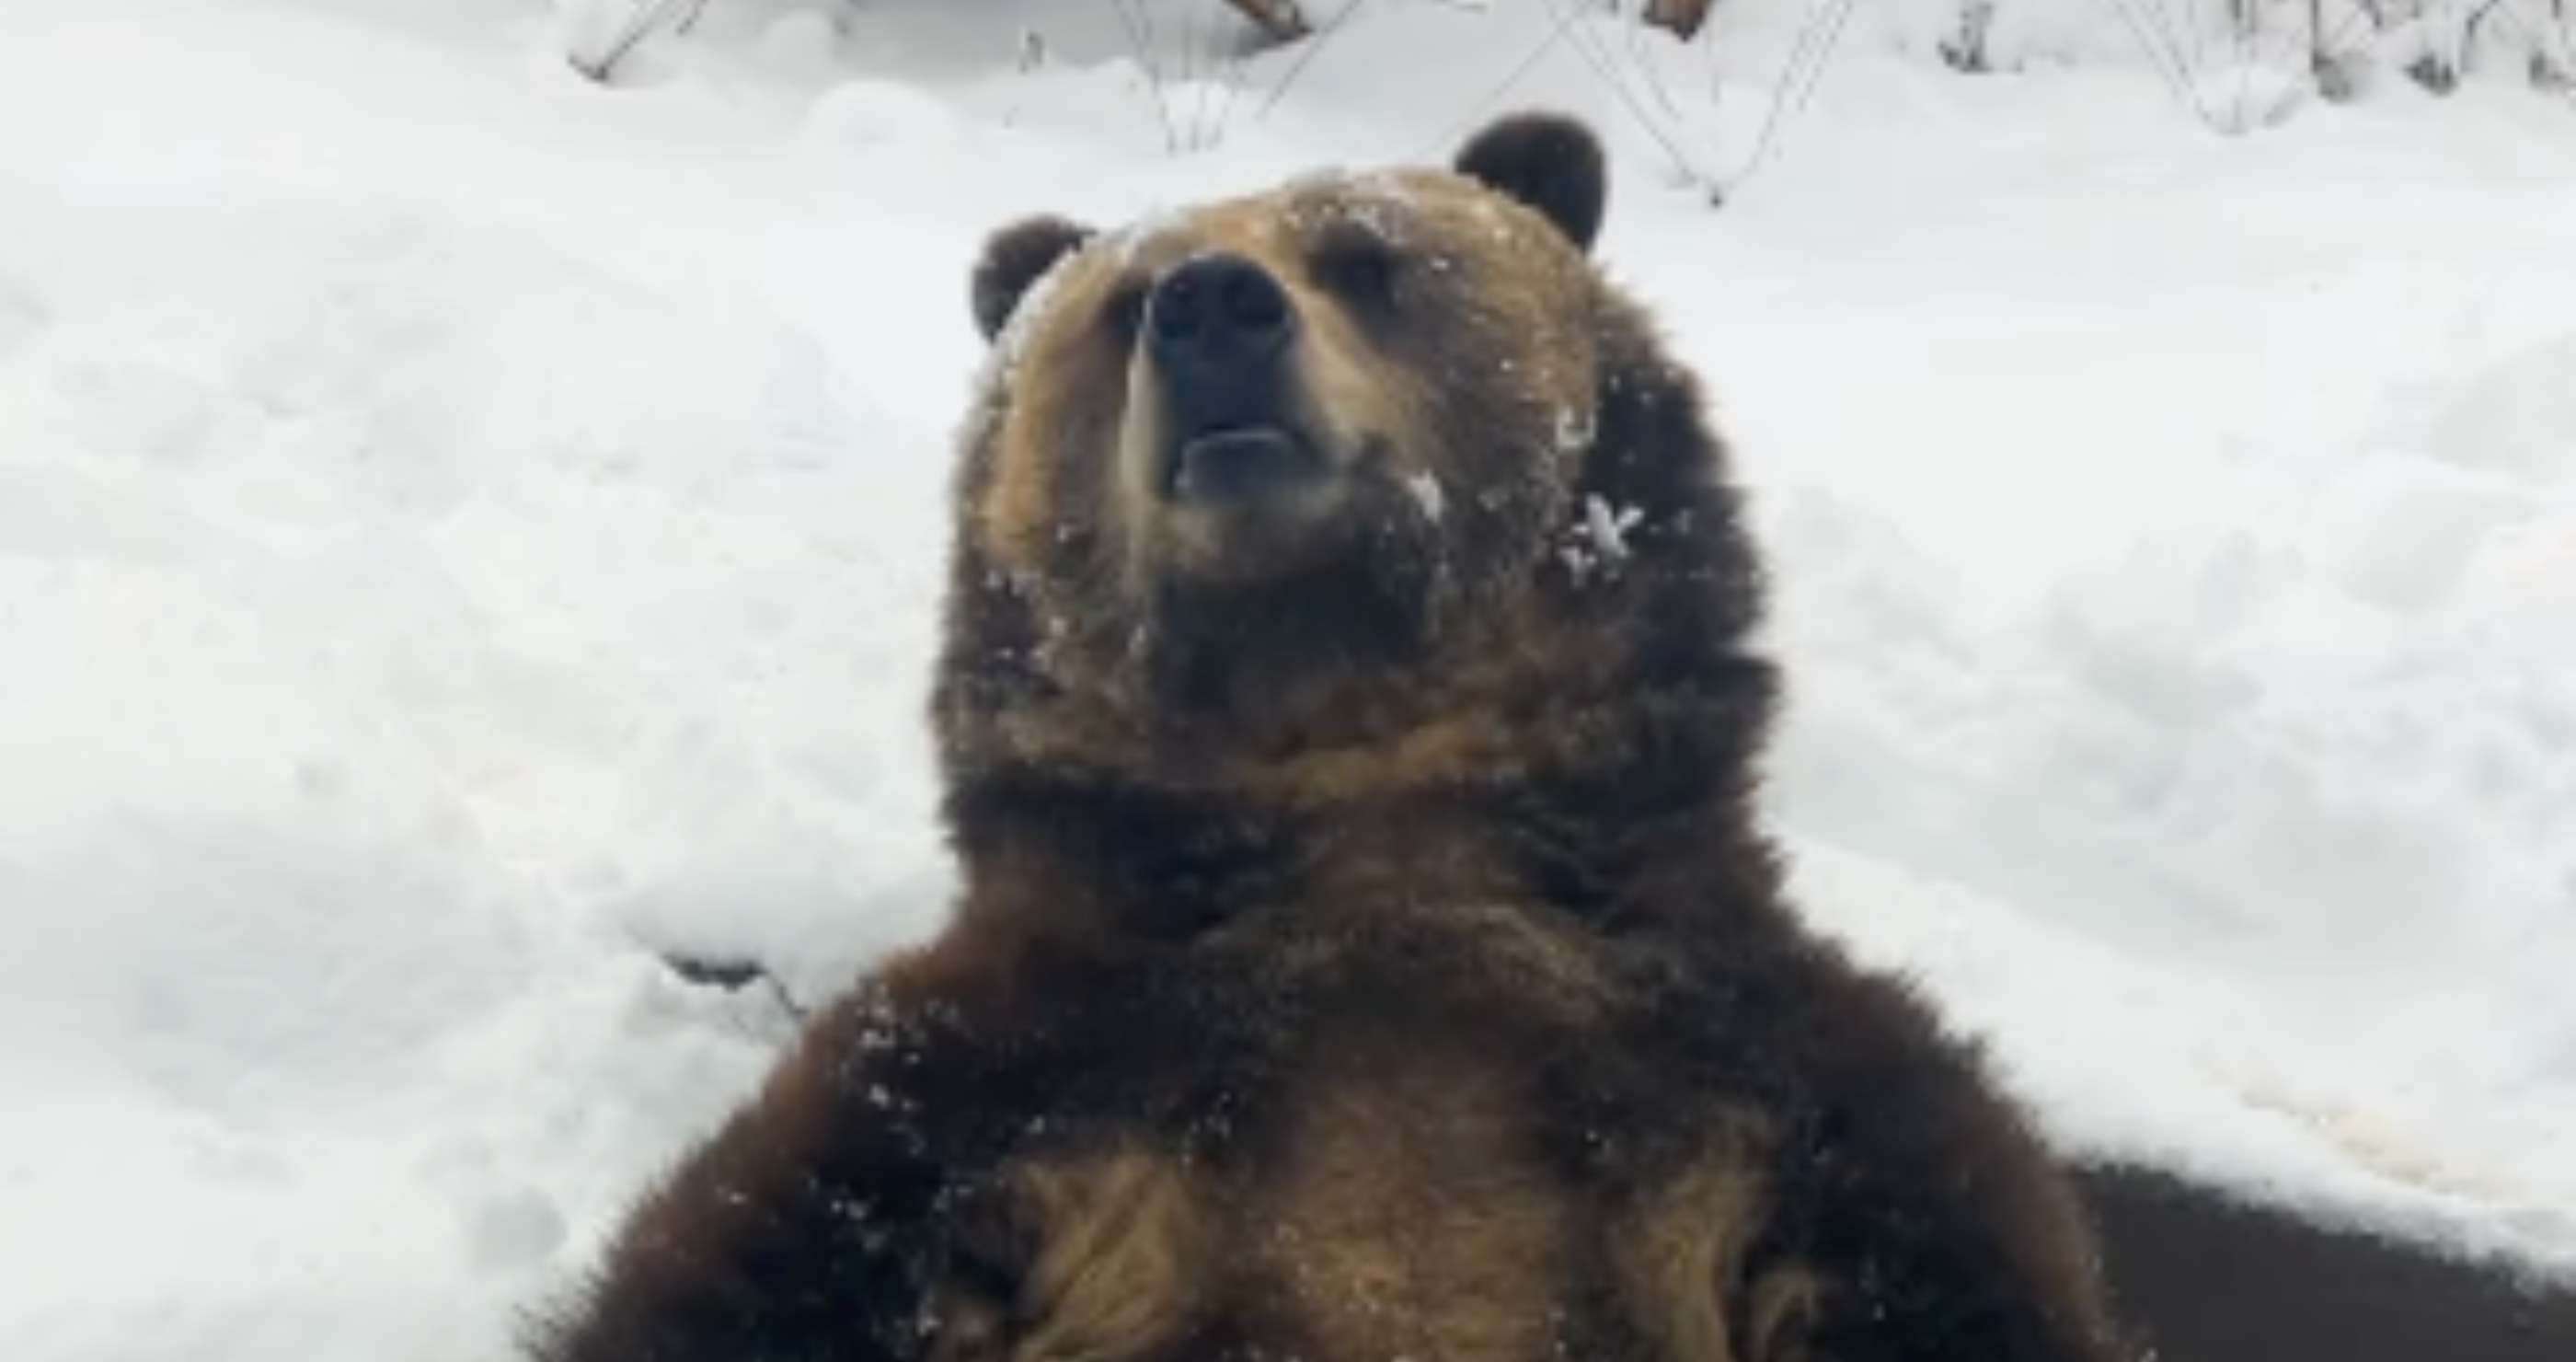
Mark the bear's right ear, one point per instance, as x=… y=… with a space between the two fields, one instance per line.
x=1549 y=162
x=1015 y=258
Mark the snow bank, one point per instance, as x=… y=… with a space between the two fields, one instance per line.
x=463 y=529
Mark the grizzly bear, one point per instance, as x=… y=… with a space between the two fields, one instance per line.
x=1367 y=949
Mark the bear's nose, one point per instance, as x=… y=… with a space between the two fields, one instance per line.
x=1217 y=314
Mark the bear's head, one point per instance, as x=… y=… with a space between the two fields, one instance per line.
x=1368 y=478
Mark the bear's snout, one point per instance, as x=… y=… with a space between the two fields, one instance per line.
x=1219 y=331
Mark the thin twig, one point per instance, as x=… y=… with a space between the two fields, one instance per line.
x=732 y=976
x=641 y=20
x=1236 y=69
x=1601 y=65
x=1800 y=76
x=1140 y=44
x=1314 y=48
x=1556 y=34
x=1195 y=89
x=1638 y=28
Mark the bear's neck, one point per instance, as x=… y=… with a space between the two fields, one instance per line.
x=1633 y=807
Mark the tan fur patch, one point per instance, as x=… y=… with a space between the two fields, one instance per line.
x=1781 y=1310
x=1444 y=736
x=1347 y=393
x=1340 y=933
x=1679 y=1258
x=1411 y=1219
x=1038 y=481
x=1016 y=512
x=1123 y=1249
x=1455 y=724
x=1422 y=756
x=1117 y=1253
x=970 y=1327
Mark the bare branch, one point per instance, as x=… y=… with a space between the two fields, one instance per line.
x=1680 y=18
x=1281 y=20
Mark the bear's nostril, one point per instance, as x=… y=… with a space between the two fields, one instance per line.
x=1176 y=307
x=1255 y=305
x=1219 y=310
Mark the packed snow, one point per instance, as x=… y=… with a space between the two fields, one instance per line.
x=465 y=529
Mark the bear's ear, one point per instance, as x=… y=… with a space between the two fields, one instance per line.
x=1016 y=257
x=1549 y=161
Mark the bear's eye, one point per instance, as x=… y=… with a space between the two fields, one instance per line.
x=1358 y=267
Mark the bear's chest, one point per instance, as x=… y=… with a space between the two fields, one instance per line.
x=1387 y=1177
x=1405 y=1207
x=1387 y=1202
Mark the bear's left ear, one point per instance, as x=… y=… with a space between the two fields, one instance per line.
x=1015 y=258
x=1550 y=162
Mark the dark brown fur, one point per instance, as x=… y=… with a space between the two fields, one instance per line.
x=1368 y=948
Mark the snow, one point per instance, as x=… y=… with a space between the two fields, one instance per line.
x=1425 y=487
x=461 y=528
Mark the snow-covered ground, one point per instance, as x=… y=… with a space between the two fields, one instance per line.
x=461 y=527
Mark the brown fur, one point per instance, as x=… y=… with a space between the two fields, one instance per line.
x=1108 y=1250
x=1368 y=950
